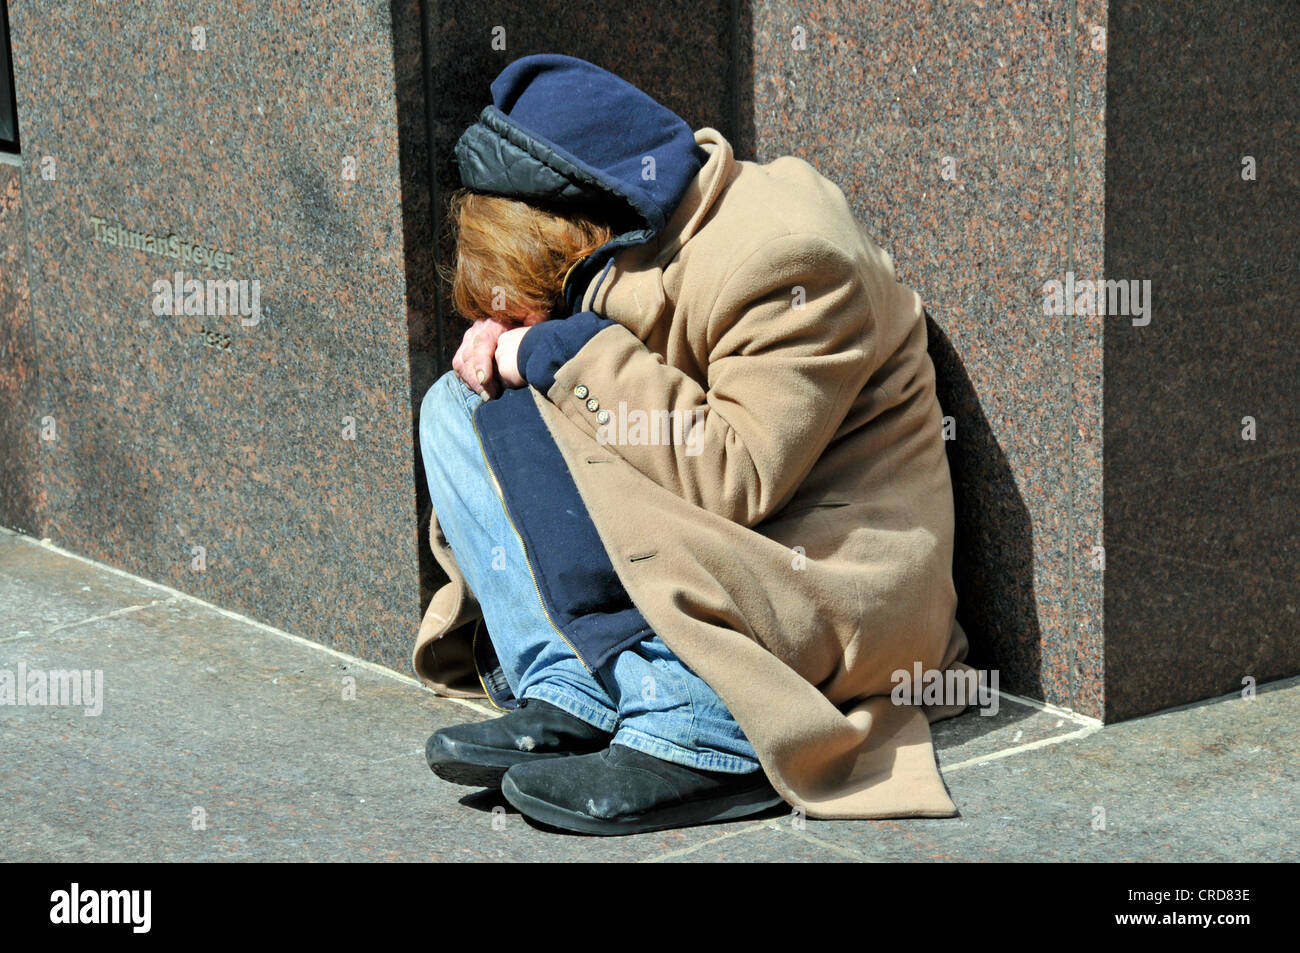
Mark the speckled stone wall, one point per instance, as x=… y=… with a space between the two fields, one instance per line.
x=969 y=139
x=284 y=449
x=1202 y=522
x=263 y=463
x=22 y=501
x=975 y=140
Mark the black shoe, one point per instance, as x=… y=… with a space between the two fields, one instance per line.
x=480 y=752
x=624 y=791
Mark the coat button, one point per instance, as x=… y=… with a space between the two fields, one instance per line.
x=602 y=417
x=580 y=392
x=593 y=405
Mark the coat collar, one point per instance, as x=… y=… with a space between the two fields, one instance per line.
x=632 y=292
x=700 y=195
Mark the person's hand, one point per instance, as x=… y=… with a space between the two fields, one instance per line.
x=475 y=362
x=507 y=357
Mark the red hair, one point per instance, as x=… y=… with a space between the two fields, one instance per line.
x=512 y=256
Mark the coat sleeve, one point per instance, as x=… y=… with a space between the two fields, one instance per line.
x=789 y=343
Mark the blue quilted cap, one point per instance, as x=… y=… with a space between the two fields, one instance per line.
x=565 y=132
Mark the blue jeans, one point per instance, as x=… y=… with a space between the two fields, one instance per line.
x=646 y=696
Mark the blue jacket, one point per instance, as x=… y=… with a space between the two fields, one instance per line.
x=566 y=132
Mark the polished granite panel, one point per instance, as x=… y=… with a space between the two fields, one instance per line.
x=949 y=129
x=1170 y=638
x=260 y=461
x=1202 y=524
x=1087 y=219
x=988 y=148
x=22 y=501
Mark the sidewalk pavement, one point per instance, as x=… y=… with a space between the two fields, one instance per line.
x=223 y=739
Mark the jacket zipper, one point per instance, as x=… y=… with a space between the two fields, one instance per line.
x=473 y=651
x=527 y=559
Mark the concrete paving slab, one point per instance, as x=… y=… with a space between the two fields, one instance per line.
x=1212 y=782
x=773 y=840
x=212 y=723
x=40 y=590
x=222 y=739
x=1015 y=725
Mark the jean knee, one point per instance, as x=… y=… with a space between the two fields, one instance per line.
x=443 y=407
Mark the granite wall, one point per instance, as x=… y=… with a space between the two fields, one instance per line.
x=996 y=147
x=261 y=460
x=1202 y=426
x=952 y=131
x=21 y=498
x=974 y=140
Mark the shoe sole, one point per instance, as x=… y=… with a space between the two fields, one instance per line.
x=727 y=808
x=475 y=765
x=470 y=775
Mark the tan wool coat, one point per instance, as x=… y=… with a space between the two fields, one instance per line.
x=796 y=550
